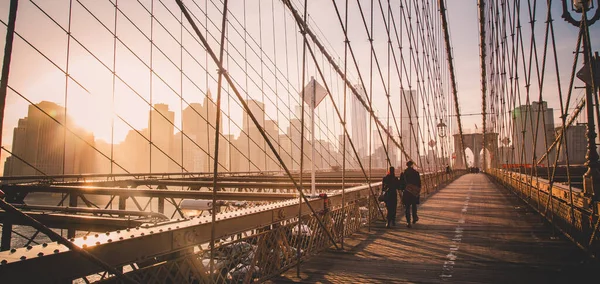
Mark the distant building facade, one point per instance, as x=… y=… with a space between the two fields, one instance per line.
x=358 y=119
x=409 y=126
x=576 y=145
x=41 y=140
x=529 y=143
x=161 y=148
x=379 y=156
x=161 y=128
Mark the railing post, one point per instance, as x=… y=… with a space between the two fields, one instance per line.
x=161 y=200
x=591 y=184
x=122 y=203
x=72 y=203
x=6 y=234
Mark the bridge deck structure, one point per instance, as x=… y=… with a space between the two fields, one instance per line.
x=471 y=231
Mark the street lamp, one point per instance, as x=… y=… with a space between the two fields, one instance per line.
x=591 y=178
x=441 y=129
x=442 y=133
x=432 y=143
x=505 y=141
x=579 y=6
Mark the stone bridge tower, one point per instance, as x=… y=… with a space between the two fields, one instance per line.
x=474 y=142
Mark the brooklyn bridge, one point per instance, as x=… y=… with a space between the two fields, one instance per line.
x=216 y=141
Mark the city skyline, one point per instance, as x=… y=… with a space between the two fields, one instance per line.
x=110 y=82
x=101 y=127
x=188 y=150
x=154 y=148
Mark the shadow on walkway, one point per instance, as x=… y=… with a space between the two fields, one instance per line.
x=472 y=231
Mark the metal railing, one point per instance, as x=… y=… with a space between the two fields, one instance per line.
x=253 y=244
x=569 y=210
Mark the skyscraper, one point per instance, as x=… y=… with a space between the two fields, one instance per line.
x=409 y=124
x=253 y=140
x=525 y=121
x=294 y=133
x=161 y=134
x=199 y=127
x=380 y=149
x=41 y=140
x=576 y=145
x=194 y=125
x=359 y=122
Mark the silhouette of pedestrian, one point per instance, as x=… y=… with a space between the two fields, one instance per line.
x=410 y=184
x=390 y=184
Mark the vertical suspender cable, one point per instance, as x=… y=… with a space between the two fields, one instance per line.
x=8 y=46
x=254 y=120
x=72 y=197
x=482 y=54
x=370 y=134
x=114 y=78
x=452 y=77
x=303 y=76
x=346 y=42
x=217 y=131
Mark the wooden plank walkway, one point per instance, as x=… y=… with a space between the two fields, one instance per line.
x=472 y=231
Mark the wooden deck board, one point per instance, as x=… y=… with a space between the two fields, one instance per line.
x=472 y=231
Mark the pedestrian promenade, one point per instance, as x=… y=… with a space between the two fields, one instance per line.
x=472 y=231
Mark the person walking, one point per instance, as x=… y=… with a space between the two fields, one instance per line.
x=390 y=185
x=410 y=184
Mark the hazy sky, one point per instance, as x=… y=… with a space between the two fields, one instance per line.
x=89 y=92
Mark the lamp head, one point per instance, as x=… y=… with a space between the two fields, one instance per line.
x=582 y=5
x=441 y=129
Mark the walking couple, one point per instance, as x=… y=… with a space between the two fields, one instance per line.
x=409 y=184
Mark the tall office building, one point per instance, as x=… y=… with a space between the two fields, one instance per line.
x=199 y=126
x=576 y=144
x=380 y=149
x=409 y=124
x=194 y=141
x=525 y=121
x=161 y=134
x=272 y=131
x=359 y=122
x=341 y=144
x=133 y=154
x=251 y=146
x=41 y=141
x=294 y=133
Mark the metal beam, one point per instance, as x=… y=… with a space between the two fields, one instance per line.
x=222 y=195
x=141 y=182
x=83 y=256
x=77 y=222
x=141 y=243
x=222 y=175
x=87 y=210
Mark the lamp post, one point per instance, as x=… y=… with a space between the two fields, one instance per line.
x=442 y=134
x=505 y=141
x=591 y=178
x=432 y=144
x=441 y=127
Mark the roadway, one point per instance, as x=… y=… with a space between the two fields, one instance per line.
x=472 y=231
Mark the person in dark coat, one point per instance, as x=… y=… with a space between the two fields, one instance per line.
x=410 y=201
x=390 y=183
